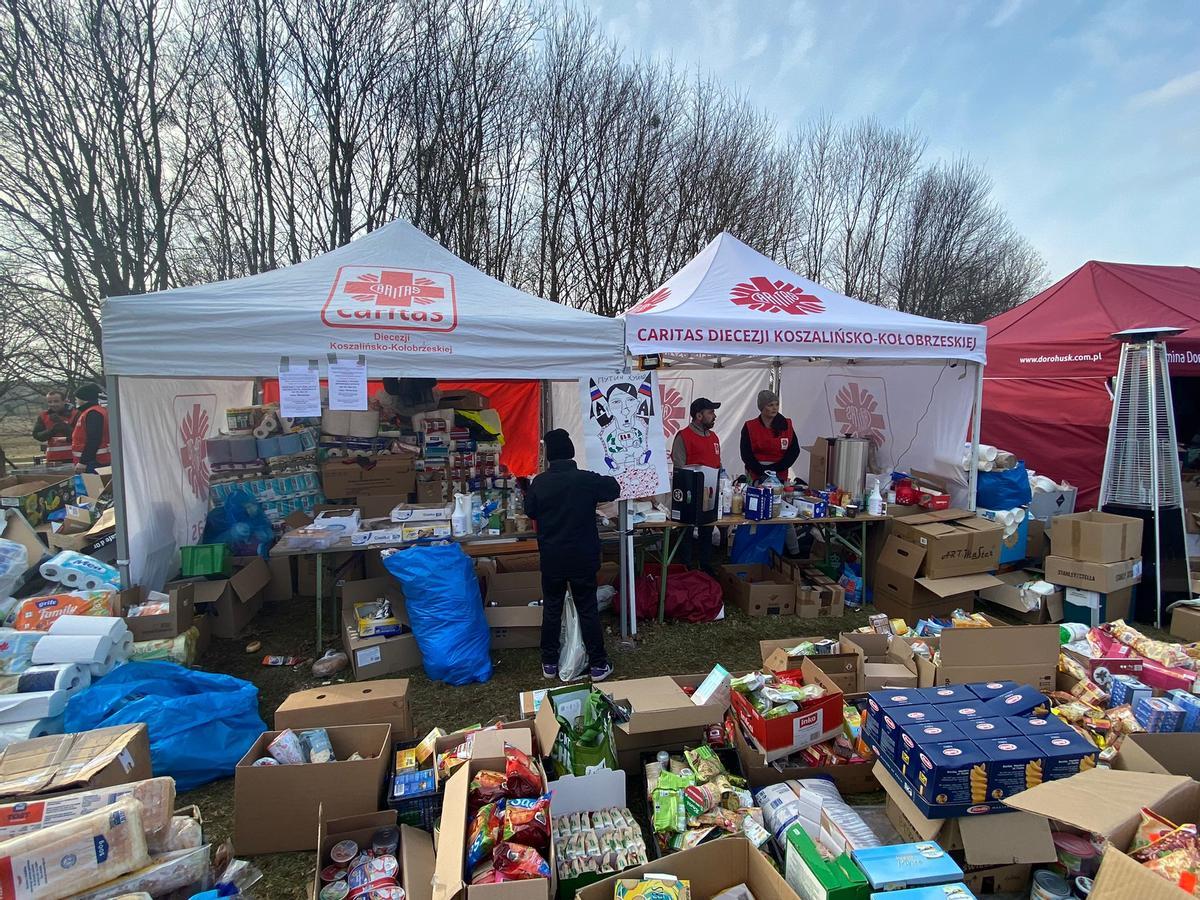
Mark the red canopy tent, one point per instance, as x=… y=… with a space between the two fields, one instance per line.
x=1045 y=388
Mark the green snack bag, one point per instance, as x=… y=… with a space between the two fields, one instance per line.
x=785 y=710
x=666 y=810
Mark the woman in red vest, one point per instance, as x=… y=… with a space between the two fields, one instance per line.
x=768 y=441
x=89 y=440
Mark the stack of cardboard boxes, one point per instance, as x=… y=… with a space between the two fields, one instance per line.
x=1097 y=558
x=934 y=562
x=784 y=588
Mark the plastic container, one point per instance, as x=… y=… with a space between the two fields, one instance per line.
x=200 y=560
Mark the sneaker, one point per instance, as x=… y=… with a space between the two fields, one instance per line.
x=549 y=672
x=599 y=673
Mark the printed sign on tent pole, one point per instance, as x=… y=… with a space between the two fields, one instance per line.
x=623 y=432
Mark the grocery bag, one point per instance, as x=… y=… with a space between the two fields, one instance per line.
x=585 y=741
x=572 y=655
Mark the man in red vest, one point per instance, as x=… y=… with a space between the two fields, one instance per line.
x=89 y=440
x=53 y=428
x=698 y=445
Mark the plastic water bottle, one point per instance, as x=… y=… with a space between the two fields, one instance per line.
x=476 y=513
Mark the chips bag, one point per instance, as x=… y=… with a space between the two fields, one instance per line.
x=486 y=787
x=521 y=774
x=485 y=833
x=527 y=821
x=516 y=862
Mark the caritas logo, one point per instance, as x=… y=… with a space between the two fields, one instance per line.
x=764 y=295
x=378 y=297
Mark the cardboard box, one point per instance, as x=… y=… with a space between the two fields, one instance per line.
x=1093 y=608
x=281 y=587
x=415 y=852
x=512 y=588
x=172 y=623
x=1092 y=576
x=276 y=807
x=1044 y=507
x=710 y=869
x=1026 y=654
x=883 y=661
x=432 y=491
x=811 y=872
x=815 y=721
x=1121 y=795
x=72 y=762
x=850 y=779
x=1185 y=623
x=1026 y=605
x=1096 y=537
x=758 y=590
x=514 y=627
x=379 y=702
x=375 y=656
x=1038 y=546
x=353 y=478
x=955 y=541
x=819 y=596
x=661 y=715
x=818 y=462
x=1160 y=754
x=899 y=592
x=36 y=496
x=842 y=668
x=450 y=867
x=101 y=534
x=233 y=602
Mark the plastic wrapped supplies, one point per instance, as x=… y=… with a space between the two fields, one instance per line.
x=802 y=803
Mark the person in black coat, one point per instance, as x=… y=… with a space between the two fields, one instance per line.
x=562 y=501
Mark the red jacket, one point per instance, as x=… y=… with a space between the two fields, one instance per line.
x=765 y=448
x=79 y=441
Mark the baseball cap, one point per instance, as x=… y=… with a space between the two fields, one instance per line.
x=700 y=404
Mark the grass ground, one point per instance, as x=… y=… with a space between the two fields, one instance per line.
x=287 y=629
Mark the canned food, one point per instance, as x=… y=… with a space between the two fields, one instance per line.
x=385 y=841
x=265 y=761
x=1083 y=887
x=336 y=890
x=343 y=851
x=1048 y=886
x=333 y=872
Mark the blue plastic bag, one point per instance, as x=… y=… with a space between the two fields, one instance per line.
x=441 y=594
x=1004 y=490
x=200 y=723
x=754 y=543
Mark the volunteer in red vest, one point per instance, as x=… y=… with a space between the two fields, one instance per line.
x=89 y=440
x=768 y=441
x=698 y=445
x=53 y=428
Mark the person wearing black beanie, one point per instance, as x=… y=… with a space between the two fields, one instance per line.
x=562 y=501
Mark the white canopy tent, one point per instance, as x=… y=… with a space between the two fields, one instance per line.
x=175 y=360
x=839 y=365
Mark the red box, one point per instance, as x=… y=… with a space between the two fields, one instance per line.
x=816 y=721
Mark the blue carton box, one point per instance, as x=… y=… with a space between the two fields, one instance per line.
x=986 y=690
x=1009 y=763
x=1023 y=700
x=1190 y=704
x=894 y=719
x=982 y=729
x=1033 y=726
x=877 y=703
x=912 y=736
x=956 y=891
x=947 y=693
x=950 y=776
x=1127 y=691
x=1158 y=714
x=965 y=711
x=1062 y=755
x=906 y=865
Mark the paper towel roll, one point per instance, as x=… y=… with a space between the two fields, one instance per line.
x=102 y=668
x=267 y=447
x=988 y=452
x=270 y=421
x=124 y=650
x=1018 y=515
x=24 y=731
x=111 y=627
x=69 y=677
x=53 y=568
x=31 y=706
x=364 y=424
x=72 y=648
x=262 y=432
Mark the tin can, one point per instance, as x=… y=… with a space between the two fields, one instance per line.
x=1083 y=887
x=265 y=761
x=343 y=851
x=333 y=872
x=388 y=892
x=335 y=890
x=385 y=841
x=287 y=748
x=1048 y=886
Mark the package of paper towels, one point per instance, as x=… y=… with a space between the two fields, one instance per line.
x=16 y=649
x=78 y=571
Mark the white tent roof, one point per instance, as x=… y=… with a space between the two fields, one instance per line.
x=732 y=301
x=396 y=296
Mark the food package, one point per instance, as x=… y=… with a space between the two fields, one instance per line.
x=156 y=795
x=39 y=613
x=166 y=873
x=516 y=862
x=657 y=888
x=180 y=649
x=184 y=833
x=74 y=856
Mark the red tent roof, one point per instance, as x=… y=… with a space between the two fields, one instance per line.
x=1066 y=329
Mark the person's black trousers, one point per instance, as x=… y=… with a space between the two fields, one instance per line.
x=583 y=592
x=697 y=549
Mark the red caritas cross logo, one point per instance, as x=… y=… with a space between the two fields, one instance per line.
x=673 y=409
x=652 y=301
x=193 y=456
x=379 y=297
x=858 y=411
x=764 y=295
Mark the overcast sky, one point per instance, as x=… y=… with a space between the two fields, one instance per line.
x=1085 y=114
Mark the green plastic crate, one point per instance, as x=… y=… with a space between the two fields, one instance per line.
x=206 y=559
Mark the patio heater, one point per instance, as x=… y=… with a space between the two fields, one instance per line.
x=1141 y=469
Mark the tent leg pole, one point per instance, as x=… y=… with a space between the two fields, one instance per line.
x=622 y=522
x=976 y=416
x=117 y=451
x=776 y=381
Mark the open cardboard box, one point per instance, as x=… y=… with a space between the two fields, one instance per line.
x=900 y=592
x=16 y=528
x=841 y=667
x=175 y=621
x=710 y=869
x=1029 y=607
x=1109 y=802
x=758 y=590
x=816 y=721
x=375 y=656
x=84 y=760
x=377 y=702
x=1185 y=623
x=1173 y=753
x=276 y=807
x=36 y=495
x=415 y=852
x=1096 y=537
x=101 y=533
x=507 y=595
x=1026 y=654
x=449 y=880
x=233 y=602
x=955 y=541
x=857 y=778
x=883 y=661
x=996 y=851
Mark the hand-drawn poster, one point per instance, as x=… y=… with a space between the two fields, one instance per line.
x=623 y=432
